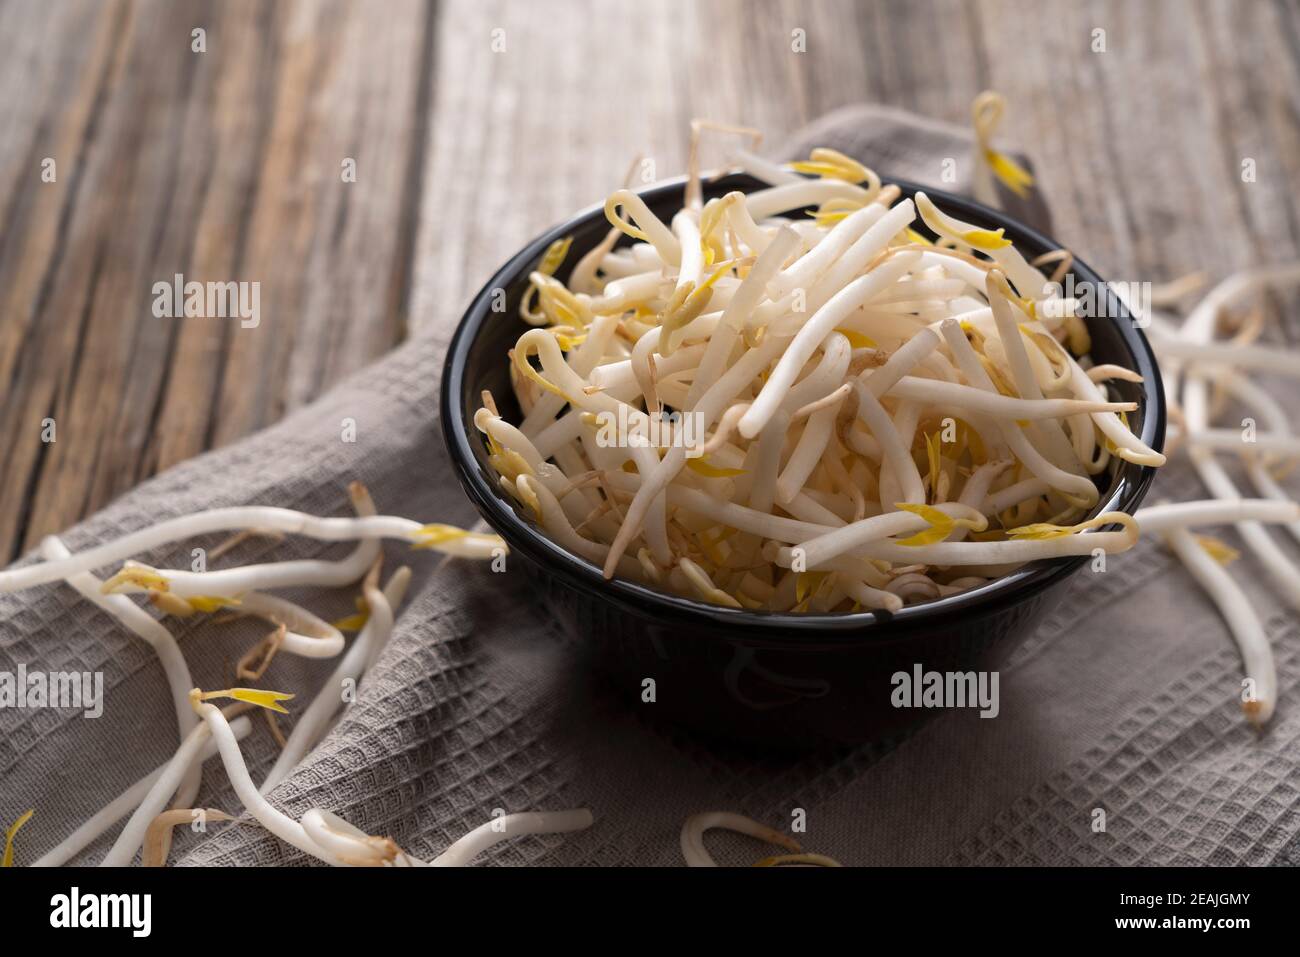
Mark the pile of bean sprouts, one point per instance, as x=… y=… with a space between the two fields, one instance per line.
x=794 y=401
x=829 y=413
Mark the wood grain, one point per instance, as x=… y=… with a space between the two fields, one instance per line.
x=226 y=165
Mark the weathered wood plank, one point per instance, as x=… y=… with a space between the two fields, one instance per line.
x=221 y=165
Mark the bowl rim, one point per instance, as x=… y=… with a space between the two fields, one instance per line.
x=668 y=608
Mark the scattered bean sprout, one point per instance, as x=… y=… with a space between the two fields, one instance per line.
x=157 y=838
x=697 y=855
x=206 y=730
x=1260 y=699
x=990 y=164
x=1195 y=362
x=10 y=833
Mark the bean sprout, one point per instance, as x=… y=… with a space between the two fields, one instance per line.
x=986 y=116
x=1215 y=511
x=7 y=860
x=697 y=855
x=1246 y=628
x=443 y=538
x=158 y=836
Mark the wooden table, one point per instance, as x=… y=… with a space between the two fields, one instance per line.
x=472 y=126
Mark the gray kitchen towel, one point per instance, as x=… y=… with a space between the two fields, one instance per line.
x=1123 y=702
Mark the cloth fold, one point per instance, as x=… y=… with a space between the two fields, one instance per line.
x=1124 y=702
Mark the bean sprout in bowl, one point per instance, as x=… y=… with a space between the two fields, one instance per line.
x=760 y=580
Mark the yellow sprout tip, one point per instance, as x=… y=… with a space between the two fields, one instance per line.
x=139 y=575
x=700 y=467
x=211 y=603
x=255 y=696
x=8 y=859
x=431 y=536
x=941 y=525
x=554 y=256
x=1220 y=551
x=857 y=340
x=987 y=239
x=1014 y=176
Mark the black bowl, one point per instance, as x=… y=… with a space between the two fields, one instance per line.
x=776 y=679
